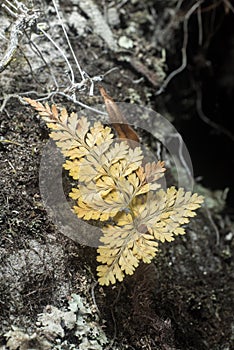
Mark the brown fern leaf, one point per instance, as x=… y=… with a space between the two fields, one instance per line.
x=154 y=171
x=48 y=114
x=68 y=131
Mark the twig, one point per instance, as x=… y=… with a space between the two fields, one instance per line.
x=51 y=94
x=9 y=3
x=213 y=224
x=68 y=41
x=200 y=29
x=109 y=347
x=35 y=49
x=93 y=297
x=30 y=67
x=178 y=5
x=25 y=18
x=183 y=50
x=181 y=157
x=43 y=97
x=9 y=141
x=61 y=52
x=206 y=120
x=229 y=5
x=6 y=99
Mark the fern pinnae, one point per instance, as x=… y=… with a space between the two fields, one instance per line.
x=114 y=185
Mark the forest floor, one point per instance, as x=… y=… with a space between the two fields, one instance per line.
x=184 y=299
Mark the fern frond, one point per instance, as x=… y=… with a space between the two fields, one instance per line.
x=165 y=211
x=105 y=185
x=115 y=186
x=102 y=188
x=158 y=218
x=123 y=248
x=110 y=205
x=68 y=131
x=131 y=163
x=100 y=211
x=118 y=151
x=153 y=172
x=93 y=165
x=98 y=135
x=73 y=168
x=47 y=113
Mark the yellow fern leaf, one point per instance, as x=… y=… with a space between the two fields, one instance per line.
x=159 y=218
x=92 y=166
x=98 y=135
x=105 y=185
x=73 y=168
x=123 y=218
x=132 y=162
x=118 y=151
x=113 y=185
x=165 y=211
x=76 y=152
x=64 y=127
x=108 y=275
x=88 y=213
x=96 y=209
x=91 y=193
x=123 y=248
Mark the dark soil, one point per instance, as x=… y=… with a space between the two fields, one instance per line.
x=184 y=299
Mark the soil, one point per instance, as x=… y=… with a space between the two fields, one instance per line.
x=184 y=299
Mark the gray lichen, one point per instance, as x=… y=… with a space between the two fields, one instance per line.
x=78 y=322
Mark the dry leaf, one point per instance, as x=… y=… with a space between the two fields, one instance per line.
x=123 y=129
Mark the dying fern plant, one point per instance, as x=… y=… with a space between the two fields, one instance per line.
x=118 y=189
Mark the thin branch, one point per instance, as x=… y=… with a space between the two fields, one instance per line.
x=183 y=50
x=178 y=5
x=206 y=120
x=200 y=29
x=229 y=5
x=61 y=51
x=3 y=37
x=68 y=41
x=25 y=18
x=213 y=224
x=30 y=67
x=181 y=157
x=35 y=48
x=11 y=13
x=9 y=3
x=52 y=94
x=2 y=140
x=43 y=97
